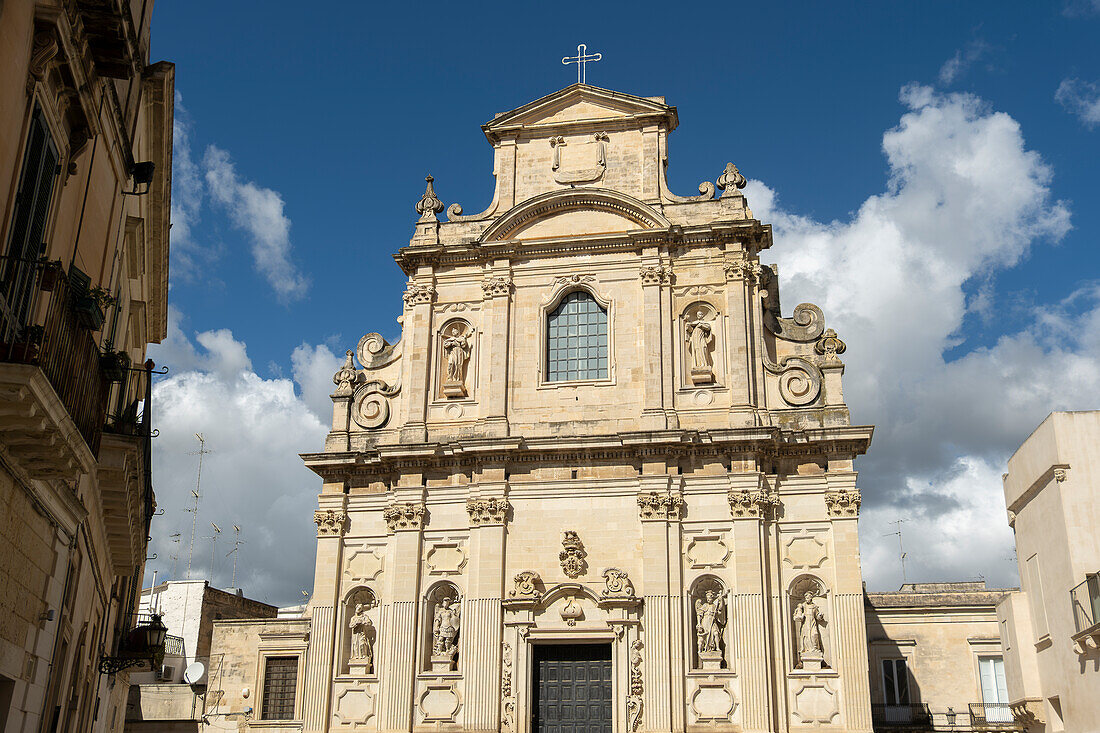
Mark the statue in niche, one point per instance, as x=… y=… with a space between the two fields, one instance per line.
x=362 y=653
x=445 y=629
x=710 y=619
x=808 y=619
x=700 y=341
x=456 y=351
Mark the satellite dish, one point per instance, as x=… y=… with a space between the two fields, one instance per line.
x=195 y=674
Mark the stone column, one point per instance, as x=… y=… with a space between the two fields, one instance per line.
x=331 y=520
x=751 y=630
x=482 y=623
x=416 y=335
x=664 y=661
x=849 y=627
x=498 y=302
x=653 y=402
x=742 y=304
x=398 y=628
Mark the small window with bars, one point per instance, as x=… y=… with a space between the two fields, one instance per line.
x=576 y=345
x=280 y=686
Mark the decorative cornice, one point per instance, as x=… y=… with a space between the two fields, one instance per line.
x=843 y=503
x=656 y=505
x=419 y=294
x=487 y=511
x=330 y=523
x=746 y=504
x=655 y=275
x=404 y=516
x=497 y=286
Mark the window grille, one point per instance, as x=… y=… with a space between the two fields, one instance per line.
x=577 y=339
x=280 y=686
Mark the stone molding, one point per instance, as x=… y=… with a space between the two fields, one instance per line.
x=843 y=503
x=404 y=516
x=656 y=505
x=497 y=286
x=655 y=275
x=419 y=294
x=330 y=523
x=747 y=504
x=487 y=511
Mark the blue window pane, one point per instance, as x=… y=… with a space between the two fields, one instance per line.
x=577 y=339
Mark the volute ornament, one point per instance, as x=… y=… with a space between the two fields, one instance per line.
x=429 y=204
x=806 y=324
x=799 y=379
x=617 y=584
x=526 y=586
x=371 y=404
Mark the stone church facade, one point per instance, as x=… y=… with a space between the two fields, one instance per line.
x=601 y=482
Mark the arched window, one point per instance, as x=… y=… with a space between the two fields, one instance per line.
x=576 y=345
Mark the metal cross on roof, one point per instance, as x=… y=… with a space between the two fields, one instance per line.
x=580 y=60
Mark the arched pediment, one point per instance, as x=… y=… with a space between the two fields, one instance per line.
x=575 y=211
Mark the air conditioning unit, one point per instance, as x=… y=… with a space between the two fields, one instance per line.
x=166 y=673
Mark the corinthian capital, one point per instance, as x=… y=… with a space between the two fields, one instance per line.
x=419 y=294
x=404 y=516
x=487 y=511
x=667 y=505
x=330 y=523
x=747 y=504
x=843 y=503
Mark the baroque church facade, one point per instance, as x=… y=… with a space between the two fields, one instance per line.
x=601 y=482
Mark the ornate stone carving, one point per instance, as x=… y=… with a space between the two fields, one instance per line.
x=497 y=286
x=404 y=516
x=508 y=703
x=808 y=619
x=700 y=344
x=661 y=505
x=416 y=294
x=429 y=205
x=345 y=377
x=527 y=586
x=710 y=622
x=487 y=511
x=445 y=628
x=371 y=408
x=1060 y=475
x=585 y=175
x=456 y=356
x=730 y=180
x=571 y=612
x=747 y=504
x=843 y=503
x=330 y=523
x=617 y=584
x=362 y=645
x=743 y=270
x=572 y=555
x=574 y=279
x=807 y=323
x=655 y=275
x=45 y=48
x=635 y=700
x=829 y=345
x=375 y=352
x=799 y=379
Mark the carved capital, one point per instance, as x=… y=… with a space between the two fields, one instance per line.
x=404 y=516
x=487 y=511
x=655 y=275
x=843 y=503
x=1059 y=475
x=419 y=294
x=656 y=505
x=497 y=286
x=750 y=270
x=330 y=523
x=747 y=504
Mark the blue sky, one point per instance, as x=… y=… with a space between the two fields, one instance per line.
x=303 y=139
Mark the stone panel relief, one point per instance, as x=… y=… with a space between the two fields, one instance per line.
x=815 y=703
x=709 y=603
x=808 y=596
x=445 y=558
x=712 y=703
x=700 y=324
x=365 y=564
x=528 y=586
x=616 y=584
x=708 y=550
x=456 y=348
x=589 y=153
x=439 y=703
x=354 y=708
x=443 y=605
x=804 y=550
x=507 y=701
x=360 y=632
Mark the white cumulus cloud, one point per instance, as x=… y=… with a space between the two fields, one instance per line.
x=1080 y=98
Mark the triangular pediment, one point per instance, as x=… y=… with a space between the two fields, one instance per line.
x=579 y=104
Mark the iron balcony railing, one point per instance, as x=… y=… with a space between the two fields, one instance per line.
x=910 y=715
x=1085 y=598
x=173 y=646
x=992 y=716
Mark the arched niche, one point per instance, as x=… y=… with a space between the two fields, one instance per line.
x=709 y=602
x=457 y=362
x=810 y=616
x=702 y=345
x=359 y=631
x=442 y=624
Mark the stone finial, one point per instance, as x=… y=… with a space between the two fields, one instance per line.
x=753 y=504
x=344 y=379
x=572 y=555
x=731 y=180
x=429 y=205
x=829 y=345
x=330 y=523
x=487 y=511
x=843 y=503
x=404 y=516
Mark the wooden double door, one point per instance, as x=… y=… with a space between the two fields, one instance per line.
x=572 y=686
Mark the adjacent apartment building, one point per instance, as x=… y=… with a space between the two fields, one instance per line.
x=85 y=179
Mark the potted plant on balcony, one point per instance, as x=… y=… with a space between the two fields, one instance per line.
x=114 y=364
x=89 y=307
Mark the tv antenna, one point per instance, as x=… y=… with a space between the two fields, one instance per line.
x=202 y=451
x=175 y=556
x=235 y=552
x=901 y=547
x=213 y=543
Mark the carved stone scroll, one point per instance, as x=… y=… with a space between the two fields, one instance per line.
x=807 y=323
x=371 y=404
x=617 y=584
x=799 y=379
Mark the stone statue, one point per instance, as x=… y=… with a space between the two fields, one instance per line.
x=710 y=617
x=445 y=628
x=456 y=349
x=808 y=619
x=360 y=624
x=700 y=340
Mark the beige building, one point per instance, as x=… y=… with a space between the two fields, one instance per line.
x=85 y=174
x=1051 y=628
x=601 y=482
x=936 y=660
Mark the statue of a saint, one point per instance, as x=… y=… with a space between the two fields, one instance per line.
x=710 y=617
x=360 y=624
x=445 y=628
x=457 y=348
x=808 y=618
x=700 y=339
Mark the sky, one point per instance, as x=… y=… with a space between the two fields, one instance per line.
x=927 y=168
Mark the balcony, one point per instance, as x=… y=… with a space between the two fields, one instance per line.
x=908 y=717
x=111 y=35
x=993 y=716
x=1085 y=600
x=53 y=396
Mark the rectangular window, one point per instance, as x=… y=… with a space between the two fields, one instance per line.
x=576 y=346
x=895 y=682
x=280 y=686
x=1035 y=596
x=991 y=674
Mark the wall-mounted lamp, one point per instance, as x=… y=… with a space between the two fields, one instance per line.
x=951 y=716
x=142 y=173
